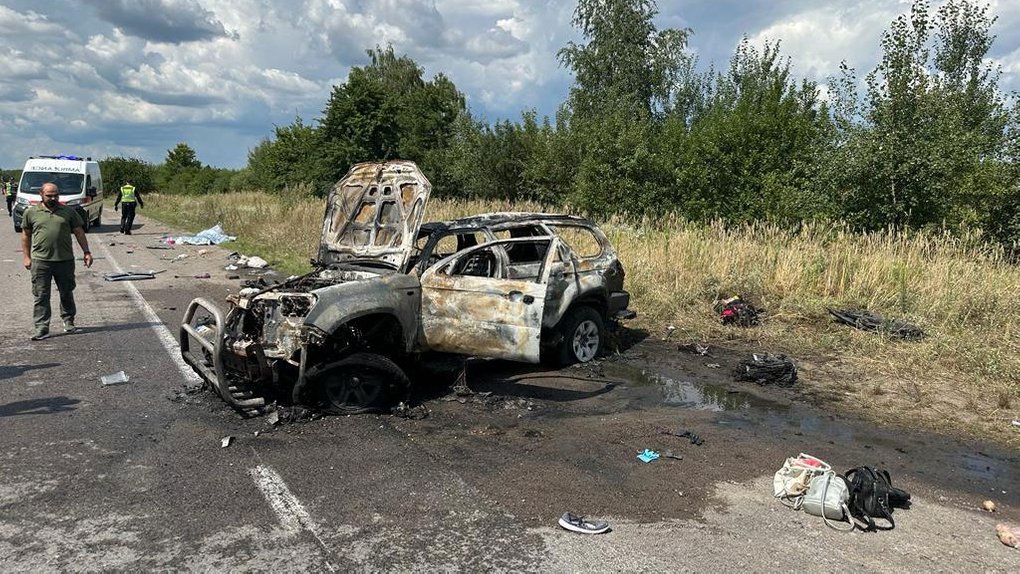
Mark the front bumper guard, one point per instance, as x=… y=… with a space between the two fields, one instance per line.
x=207 y=359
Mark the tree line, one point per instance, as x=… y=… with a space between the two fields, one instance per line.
x=926 y=139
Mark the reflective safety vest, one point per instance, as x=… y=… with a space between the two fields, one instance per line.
x=8 y=189
x=127 y=194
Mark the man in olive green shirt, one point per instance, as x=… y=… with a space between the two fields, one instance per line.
x=46 y=231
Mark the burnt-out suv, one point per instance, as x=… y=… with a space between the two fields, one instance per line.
x=386 y=288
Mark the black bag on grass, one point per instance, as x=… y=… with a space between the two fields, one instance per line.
x=872 y=496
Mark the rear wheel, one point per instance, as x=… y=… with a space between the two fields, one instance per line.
x=583 y=336
x=361 y=383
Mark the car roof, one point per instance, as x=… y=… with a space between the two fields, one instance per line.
x=502 y=218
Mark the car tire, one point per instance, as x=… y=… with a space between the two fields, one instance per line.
x=360 y=383
x=583 y=335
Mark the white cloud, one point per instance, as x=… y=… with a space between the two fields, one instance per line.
x=136 y=77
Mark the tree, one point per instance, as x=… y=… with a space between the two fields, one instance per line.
x=294 y=156
x=753 y=149
x=927 y=142
x=181 y=157
x=120 y=170
x=386 y=110
x=626 y=77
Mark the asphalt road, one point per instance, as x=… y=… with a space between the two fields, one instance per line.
x=134 y=477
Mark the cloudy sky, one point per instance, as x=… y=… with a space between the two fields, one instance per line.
x=134 y=77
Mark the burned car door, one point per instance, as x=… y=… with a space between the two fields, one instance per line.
x=479 y=302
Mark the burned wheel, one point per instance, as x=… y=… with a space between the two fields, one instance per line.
x=361 y=383
x=583 y=335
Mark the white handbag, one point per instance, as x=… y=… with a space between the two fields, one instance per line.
x=827 y=496
x=791 y=482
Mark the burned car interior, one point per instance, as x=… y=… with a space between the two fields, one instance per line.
x=387 y=289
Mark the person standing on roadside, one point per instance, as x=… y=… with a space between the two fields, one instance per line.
x=46 y=231
x=8 y=189
x=127 y=197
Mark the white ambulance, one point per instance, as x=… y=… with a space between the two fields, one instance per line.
x=79 y=181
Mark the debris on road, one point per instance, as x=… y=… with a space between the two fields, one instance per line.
x=202 y=276
x=132 y=276
x=696 y=348
x=251 y=262
x=736 y=311
x=273 y=418
x=1008 y=535
x=647 y=455
x=1016 y=423
x=118 y=378
x=158 y=246
x=768 y=369
x=212 y=236
x=868 y=321
x=233 y=276
x=404 y=411
x=672 y=455
x=988 y=506
x=575 y=523
x=226 y=441
x=694 y=438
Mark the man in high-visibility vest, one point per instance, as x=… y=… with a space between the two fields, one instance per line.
x=8 y=189
x=128 y=196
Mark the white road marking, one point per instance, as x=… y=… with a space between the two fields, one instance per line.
x=292 y=514
x=162 y=332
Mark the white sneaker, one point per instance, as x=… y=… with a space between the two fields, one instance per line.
x=576 y=523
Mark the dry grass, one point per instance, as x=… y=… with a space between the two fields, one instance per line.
x=965 y=376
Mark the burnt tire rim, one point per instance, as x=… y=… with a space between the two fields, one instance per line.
x=585 y=342
x=355 y=389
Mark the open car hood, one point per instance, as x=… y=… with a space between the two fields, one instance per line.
x=373 y=214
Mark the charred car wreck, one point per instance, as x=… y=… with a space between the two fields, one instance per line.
x=518 y=286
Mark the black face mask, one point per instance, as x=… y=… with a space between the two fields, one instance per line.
x=50 y=202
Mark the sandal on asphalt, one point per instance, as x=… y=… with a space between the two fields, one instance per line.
x=576 y=523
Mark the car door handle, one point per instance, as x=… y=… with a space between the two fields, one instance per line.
x=519 y=296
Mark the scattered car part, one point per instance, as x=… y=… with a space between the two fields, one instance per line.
x=868 y=321
x=768 y=368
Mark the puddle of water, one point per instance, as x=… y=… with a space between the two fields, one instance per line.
x=746 y=411
x=699 y=397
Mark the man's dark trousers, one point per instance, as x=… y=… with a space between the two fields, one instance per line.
x=62 y=273
x=10 y=203
x=127 y=217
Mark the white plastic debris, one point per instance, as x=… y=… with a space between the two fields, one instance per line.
x=117 y=378
x=1016 y=423
x=225 y=441
x=230 y=267
x=256 y=262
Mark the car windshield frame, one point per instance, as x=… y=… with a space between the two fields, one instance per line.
x=68 y=183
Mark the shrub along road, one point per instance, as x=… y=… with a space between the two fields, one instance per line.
x=134 y=476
